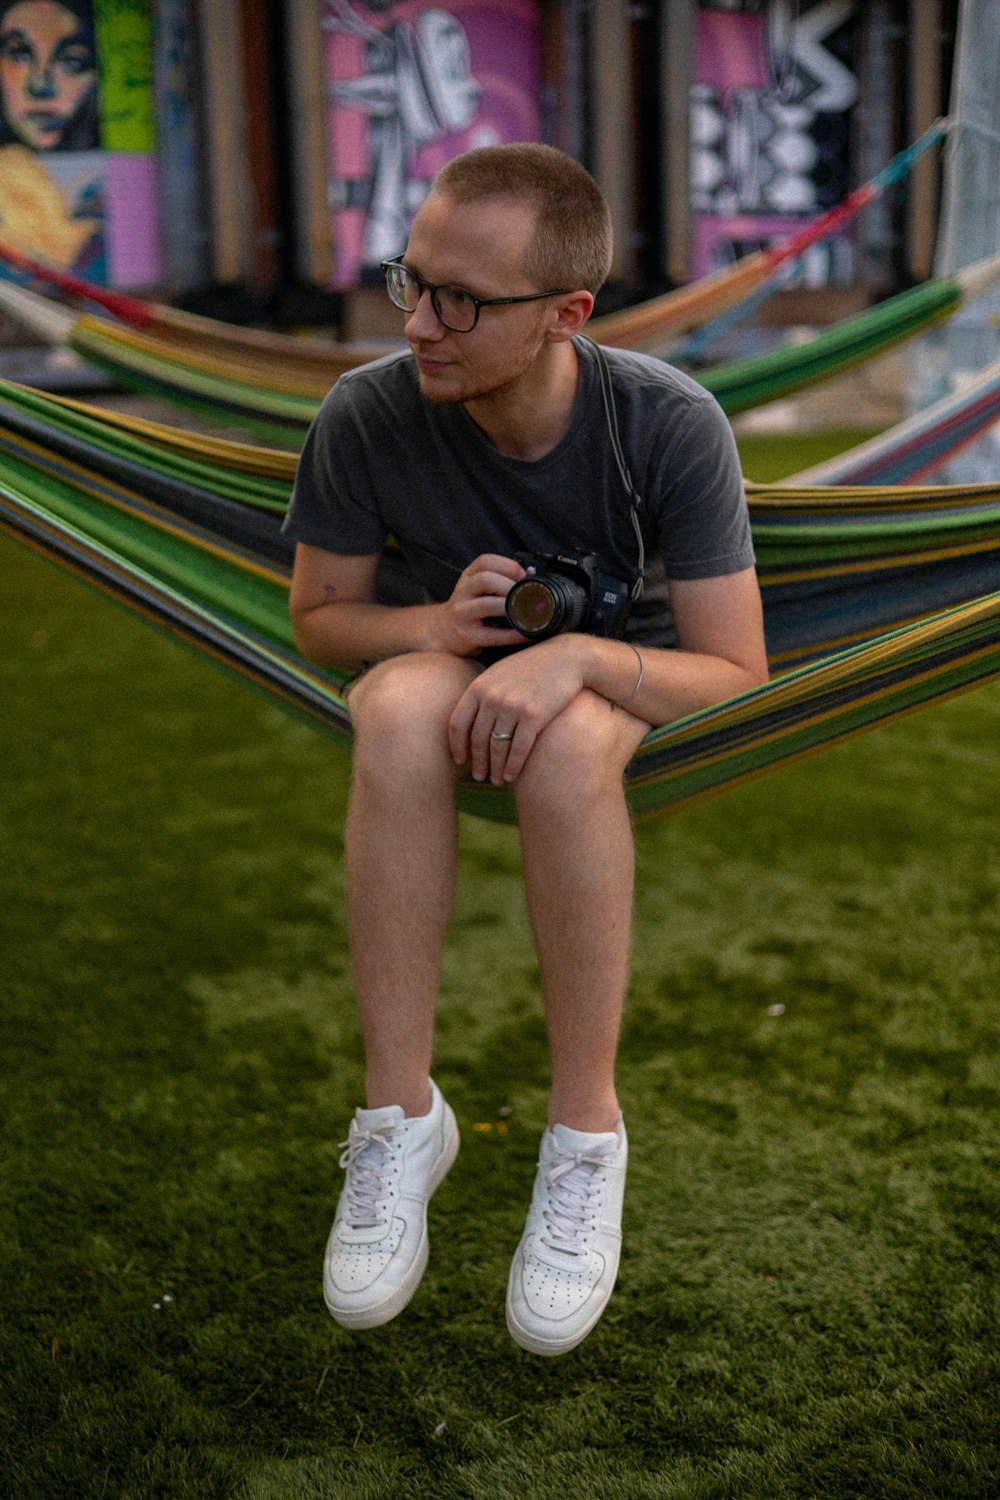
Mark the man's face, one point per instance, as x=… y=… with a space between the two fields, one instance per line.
x=481 y=247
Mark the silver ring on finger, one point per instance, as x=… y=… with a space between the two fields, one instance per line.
x=502 y=735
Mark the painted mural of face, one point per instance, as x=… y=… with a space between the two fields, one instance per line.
x=48 y=71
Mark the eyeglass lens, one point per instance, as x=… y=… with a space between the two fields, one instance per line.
x=456 y=308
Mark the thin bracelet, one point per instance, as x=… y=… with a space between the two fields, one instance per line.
x=621 y=702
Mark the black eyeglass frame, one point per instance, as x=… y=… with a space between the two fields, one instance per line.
x=387 y=266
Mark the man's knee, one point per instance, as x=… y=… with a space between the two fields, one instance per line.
x=403 y=705
x=579 y=756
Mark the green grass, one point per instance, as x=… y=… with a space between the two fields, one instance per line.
x=808 y=1301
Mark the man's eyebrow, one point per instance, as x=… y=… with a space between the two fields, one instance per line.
x=461 y=285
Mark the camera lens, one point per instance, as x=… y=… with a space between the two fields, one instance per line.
x=541 y=605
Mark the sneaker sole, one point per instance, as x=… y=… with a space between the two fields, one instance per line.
x=392 y=1306
x=550 y=1347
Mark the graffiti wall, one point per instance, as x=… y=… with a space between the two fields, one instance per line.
x=410 y=86
x=770 y=130
x=77 y=169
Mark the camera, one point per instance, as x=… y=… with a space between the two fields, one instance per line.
x=566 y=591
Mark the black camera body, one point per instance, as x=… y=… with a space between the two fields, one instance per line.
x=567 y=591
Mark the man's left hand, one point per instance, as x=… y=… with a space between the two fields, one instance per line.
x=504 y=710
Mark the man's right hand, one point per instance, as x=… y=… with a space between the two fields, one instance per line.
x=478 y=598
x=339 y=624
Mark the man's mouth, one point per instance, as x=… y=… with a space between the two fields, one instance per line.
x=427 y=365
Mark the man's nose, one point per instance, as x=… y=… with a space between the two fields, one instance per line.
x=423 y=322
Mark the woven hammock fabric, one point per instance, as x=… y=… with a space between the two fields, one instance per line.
x=817 y=549
x=637 y=327
x=915 y=448
x=137 y=511
x=281 y=409
x=907 y=453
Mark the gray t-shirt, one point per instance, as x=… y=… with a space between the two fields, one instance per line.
x=381 y=461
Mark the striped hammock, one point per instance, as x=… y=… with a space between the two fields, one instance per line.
x=267 y=399
x=916 y=448
x=876 y=601
x=654 y=325
x=645 y=326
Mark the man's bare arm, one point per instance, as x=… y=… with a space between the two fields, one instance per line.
x=721 y=638
x=339 y=623
x=720 y=633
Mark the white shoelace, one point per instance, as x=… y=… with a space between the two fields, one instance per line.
x=366 y=1189
x=574 y=1196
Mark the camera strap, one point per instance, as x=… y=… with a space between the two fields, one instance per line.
x=634 y=498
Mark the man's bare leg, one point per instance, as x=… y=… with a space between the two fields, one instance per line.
x=401 y=855
x=579 y=865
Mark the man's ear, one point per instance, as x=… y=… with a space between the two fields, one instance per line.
x=571 y=312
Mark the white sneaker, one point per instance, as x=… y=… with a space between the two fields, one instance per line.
x=378 y=1246
x=566 y=1264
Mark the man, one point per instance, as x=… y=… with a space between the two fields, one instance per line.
x=490 y=437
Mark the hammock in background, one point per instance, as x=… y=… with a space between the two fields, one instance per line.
x=280 y=408
x=915 y=448
x=876 y=602
x=174 y=326
x=652 y=325
x=639 y=327
x=906 y=453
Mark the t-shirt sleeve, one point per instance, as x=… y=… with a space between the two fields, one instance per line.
x=698 y=498
x=334 y=504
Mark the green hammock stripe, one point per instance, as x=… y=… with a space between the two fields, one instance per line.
x=254 y=398
x=777 y=539
x=738 y=386
x=223 y=403
x=282 y=673
x=183 y=563
x=119 y=442
x=766 y=377
x=840 y=562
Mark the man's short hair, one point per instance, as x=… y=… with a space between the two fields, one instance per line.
x=572 y=245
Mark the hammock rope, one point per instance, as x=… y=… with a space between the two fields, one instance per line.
x=909 y=577
x=780 y=257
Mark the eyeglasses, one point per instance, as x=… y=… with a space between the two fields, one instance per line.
x=456 y=308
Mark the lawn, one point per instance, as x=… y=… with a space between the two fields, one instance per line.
x=808 y=1300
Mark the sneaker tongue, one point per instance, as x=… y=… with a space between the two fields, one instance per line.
x=377 y=1119
x=582 y=1140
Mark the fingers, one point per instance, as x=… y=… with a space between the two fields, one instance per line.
x=478 y=600
x=518 y=697
x=507 y=757
x=489 y=577
x=493 y=562
x=498 y=750
x=495 y=740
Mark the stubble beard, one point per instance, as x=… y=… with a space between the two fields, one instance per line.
x=485 y=390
